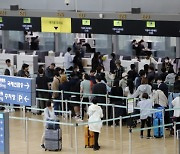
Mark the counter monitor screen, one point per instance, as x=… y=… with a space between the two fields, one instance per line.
x=26 y=20
x=117 y=23
x=151 y=24
x=86 y=22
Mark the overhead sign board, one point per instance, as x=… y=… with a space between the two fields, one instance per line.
x=56 y=25
x=17 y=90
x=22 y=23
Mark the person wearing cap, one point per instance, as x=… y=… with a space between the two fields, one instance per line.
x=123 y=81
x=68 y=61
x=119 y=71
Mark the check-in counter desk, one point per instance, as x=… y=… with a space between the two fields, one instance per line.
x=3 y=57
x=31 y=60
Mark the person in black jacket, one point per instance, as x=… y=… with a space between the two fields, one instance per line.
x=119 y=71
x=112 y=63
x=117 y=91
x=162 y=86
x=95 y=61
x=49 y=72
x=132 y=74
x=100 y=88
x=42 y=83
x=78 y=61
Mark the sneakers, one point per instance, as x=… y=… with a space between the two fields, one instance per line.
x=149 y=137
x=141 y=136
x=95 y=149
x=42 y=146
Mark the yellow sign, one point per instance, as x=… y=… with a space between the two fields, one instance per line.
x=150 y=24
x=117 y=23
x=86 y=22
x=59 y=25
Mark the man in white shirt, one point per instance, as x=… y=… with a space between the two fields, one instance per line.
x=9 y=70
x=68 y=61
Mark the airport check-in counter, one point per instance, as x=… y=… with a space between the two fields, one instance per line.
x=3 y=57
x=31 y=60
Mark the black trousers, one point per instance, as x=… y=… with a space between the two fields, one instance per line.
x=148 y=123
x=96 y=137
x=85 y=99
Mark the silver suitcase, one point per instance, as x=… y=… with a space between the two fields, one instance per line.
x=53 y=139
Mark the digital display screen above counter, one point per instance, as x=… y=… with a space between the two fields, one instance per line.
x=22 y=23
x=126 y=27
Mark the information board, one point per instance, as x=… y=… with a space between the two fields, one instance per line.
x=17 y=90
x=21 y=23
x=56 y=25
x=4 y=133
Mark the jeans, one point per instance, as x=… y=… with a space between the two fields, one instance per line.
x=57 y=106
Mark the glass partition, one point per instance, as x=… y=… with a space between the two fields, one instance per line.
x=163 y=45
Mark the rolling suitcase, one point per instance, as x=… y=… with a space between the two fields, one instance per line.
x=53 y=139
x=158 y=132
x=89 y=137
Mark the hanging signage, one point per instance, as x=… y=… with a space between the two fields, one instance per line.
x=17 y=90
x=22 y=23
x=56 y=25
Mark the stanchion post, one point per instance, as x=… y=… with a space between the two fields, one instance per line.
x=121 y=137
x=106 y=109
x=76 y=139
x=175 y=137
x=24 y=115
x=27 y=136
x=70 y=119
x=113 y=108
x=163 y=112
x=66 y=109
x=62 y=100
x=130 y=141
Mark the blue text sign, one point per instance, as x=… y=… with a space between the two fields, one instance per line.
x=17 y=83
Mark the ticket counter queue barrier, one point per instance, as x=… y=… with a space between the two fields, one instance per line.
x=76 y=125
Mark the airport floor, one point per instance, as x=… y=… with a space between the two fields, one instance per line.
x=109 y=141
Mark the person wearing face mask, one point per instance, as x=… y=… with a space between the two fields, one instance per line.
x=162 y=86
x=123 y=81
x=167 y=63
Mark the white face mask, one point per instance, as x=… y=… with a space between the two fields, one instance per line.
x=158 y=82
x=166 y=61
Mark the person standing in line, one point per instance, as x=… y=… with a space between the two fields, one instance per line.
x=112 y=63
x=48 y=115
x=95 y=114
x=49 y=72
x=24 y=72
x=145 y=113
x=42 y=83
x=55 y=86
x=9 y=70
x=119 y=71
x=68 y=61
x=85 y=88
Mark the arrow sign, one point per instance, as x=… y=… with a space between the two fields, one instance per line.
x=26 y=85
x=55 y=28
x=26 y=99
